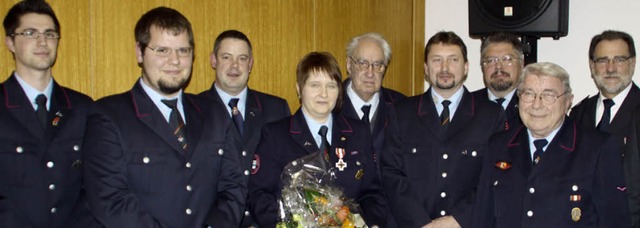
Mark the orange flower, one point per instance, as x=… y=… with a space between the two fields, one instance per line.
x=343 y=213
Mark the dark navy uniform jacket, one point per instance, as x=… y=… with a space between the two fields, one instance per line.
x=381 y=119
x=428 y=174
x=511 y=113
x=261 y=108
x=40 y=169
x=288 y=139
x=138 y=175
x=623 y=128
x=578 y=182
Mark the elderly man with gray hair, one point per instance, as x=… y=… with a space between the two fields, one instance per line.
x=550 y=172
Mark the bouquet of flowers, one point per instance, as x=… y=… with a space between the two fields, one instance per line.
x=310 y=197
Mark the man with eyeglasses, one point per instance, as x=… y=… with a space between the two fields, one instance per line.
x=550 y=172
x=43 y=124
x=232 y=58
x=435 y=142
x=612 y=60
x=156 y=156
x=501 y=60
x=368 y=56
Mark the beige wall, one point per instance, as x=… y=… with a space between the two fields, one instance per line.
x=97 y=55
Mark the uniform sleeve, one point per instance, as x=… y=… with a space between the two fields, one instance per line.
x=232 y=190
x=610 y=195
x=110 y=198
x=407 y=211
x=264 y=183
x=371 y=198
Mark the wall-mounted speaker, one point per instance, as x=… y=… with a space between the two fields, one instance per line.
x=535 y=18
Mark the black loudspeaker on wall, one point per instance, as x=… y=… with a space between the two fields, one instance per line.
x=532 y=18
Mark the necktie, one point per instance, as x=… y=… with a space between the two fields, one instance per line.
x=41 y=101
x=444 y=116
x=366 y=109
x=236 y=116
x=324 y=144
x=606 y=116
x=176 y=122
x=539 y=144
x=500 y=101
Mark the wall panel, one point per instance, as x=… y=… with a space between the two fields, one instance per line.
x=97 y=49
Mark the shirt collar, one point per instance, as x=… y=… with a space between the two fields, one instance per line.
x=507 y=98
x=157 y=100
x=455 y=101
x=532 y=147
x=32 y=92
x=226 y=97
x=314 y=127
x=357 y=102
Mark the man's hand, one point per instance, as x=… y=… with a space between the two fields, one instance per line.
x=443 y=222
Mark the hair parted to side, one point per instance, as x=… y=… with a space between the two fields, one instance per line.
x=546 y=69
x=12 y=19
x=163 y=18
x=612 y=35
x=320 y=62
x=448 y=38
x=231 y=34
x=386 y=48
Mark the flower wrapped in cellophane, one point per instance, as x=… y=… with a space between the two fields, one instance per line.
x=310 y=197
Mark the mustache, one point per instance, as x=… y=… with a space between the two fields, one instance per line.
x=445 y=74
x=500 y=72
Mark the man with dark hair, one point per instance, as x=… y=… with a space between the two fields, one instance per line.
x=612 y=60
x=43 y=124
x=249 y=110
x=436 y=141
x=501 y=60
x=159 y=157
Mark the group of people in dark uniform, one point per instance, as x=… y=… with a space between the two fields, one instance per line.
x=513 y=154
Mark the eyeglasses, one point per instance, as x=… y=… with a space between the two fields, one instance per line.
x=507 y=60
x=547 y=98
x=364 y=65
x=165 y=51
x=33 y=34
x=618 y=60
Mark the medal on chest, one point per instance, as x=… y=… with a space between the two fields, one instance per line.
x=340 y=164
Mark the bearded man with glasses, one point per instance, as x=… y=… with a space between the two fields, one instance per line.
x=612 y=60
x=501 y=62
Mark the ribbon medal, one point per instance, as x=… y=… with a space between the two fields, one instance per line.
x=340 y=164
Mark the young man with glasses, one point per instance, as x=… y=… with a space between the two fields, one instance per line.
x=501 y=60
x=612 y=60
x=368 y=56
x=156 y=156
x=43 y=124
x=435 y=142
x=550 y=172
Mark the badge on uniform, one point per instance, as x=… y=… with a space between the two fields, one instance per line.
x=340 y=164
x=56 y=119
x=359 y=174
x=576 y=213
x=255 y=164
x=503 y=165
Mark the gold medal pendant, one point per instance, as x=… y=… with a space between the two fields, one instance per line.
x=359 y=174
x=575 y=214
